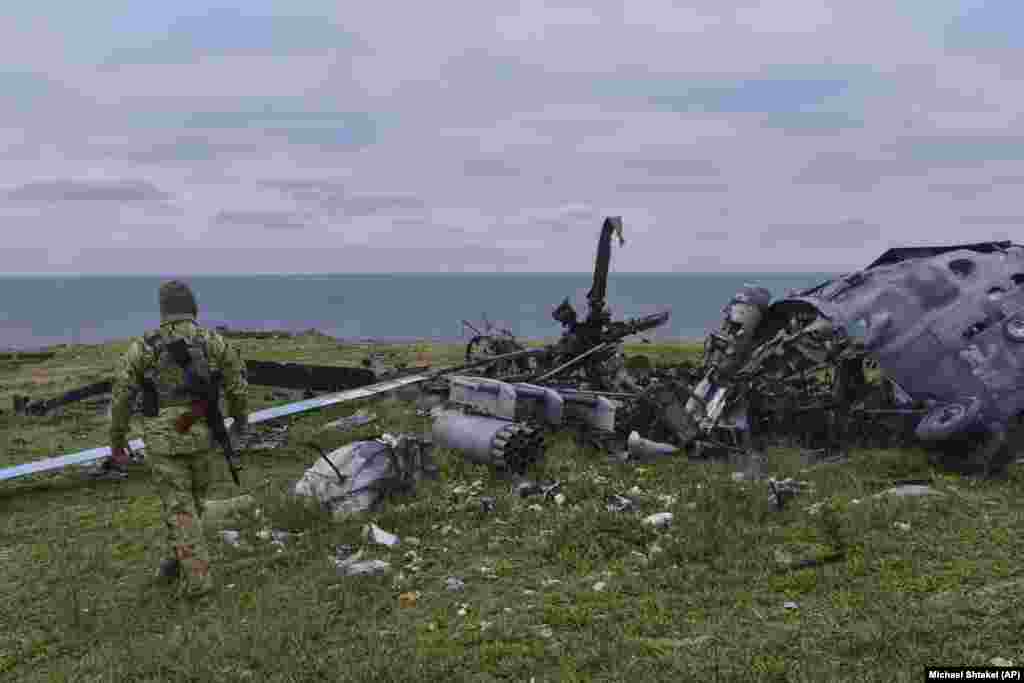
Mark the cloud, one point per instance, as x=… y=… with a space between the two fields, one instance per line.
x=985 y=26
x=813 y=122
x=264 y=219
x=230 y=31
x=320 y=128
x=88 y=190
x=317 y=191
x=960 y=191
x=371 y=204
x=670 y=188
x=489 y=168
x=674 y=167
x=850 y=232
x=710 y=235
x=465 y=126
x=1014 y=221
x=852 y=172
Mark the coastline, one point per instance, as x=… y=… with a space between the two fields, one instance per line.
x=10 y=352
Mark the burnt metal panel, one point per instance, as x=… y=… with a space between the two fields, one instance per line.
x=904 y=253
x=312 y=377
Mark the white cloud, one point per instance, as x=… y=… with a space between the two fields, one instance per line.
x=489 y=135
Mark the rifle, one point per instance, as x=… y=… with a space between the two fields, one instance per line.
x=204 y=389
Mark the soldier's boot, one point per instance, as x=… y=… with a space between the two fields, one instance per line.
x=195 y=579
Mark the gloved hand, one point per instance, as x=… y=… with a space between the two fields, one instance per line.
x=119 y=456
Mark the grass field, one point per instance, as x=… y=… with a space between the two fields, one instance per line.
x=568 y=592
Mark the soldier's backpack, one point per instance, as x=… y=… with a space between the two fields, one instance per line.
x=182 y=373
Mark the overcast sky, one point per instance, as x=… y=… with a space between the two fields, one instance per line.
x=312 y=136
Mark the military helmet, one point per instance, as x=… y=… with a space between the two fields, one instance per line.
x=177 y=302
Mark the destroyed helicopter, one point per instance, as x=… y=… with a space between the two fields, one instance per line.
x=588 y=355
x=940 y=328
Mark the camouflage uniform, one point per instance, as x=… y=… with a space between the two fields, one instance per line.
x=179 y=463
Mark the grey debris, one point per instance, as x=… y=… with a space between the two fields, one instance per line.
x=660 y=520
x=374 y=533
x=619 y=503
x=487 y=504
x=779 y=492
x=231 y=537
x=454 y=584
x=357 y=419
x=352 y=564
x=264 y=439
x=365 y=568
x=912 y=490
x=525 y=489
x=790 y=605
x=550 y=491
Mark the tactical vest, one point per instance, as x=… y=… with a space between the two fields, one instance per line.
x=166 y=382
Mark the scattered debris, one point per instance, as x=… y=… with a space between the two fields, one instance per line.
x=902 y=526
x=357 y=419
x=524 y=489
x=912 y=490
x=275 y=536
x=487 y=504
x=231 y=537
x=599 y=586
x=619 y=503
x=551 y=491
x=641 y=449
x=374 y=533
x=560 y=499
x=358 y=475
x=354 y=565
x=661 y=520
x=454 y=584
x=1000 y=661
x=790 y=605
x=408 y=599
x=265 y=438
x=779 y=492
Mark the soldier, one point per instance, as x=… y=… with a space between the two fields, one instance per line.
x=178 y=451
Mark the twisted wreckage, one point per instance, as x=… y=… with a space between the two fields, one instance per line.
x=925 y=345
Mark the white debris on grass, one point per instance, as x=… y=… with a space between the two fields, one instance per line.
x=374 y=533
x=660 y=520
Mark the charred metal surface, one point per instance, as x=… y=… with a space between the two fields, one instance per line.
x=309 y=377
x=588 y=353
x=924 y=345
x=23 y=404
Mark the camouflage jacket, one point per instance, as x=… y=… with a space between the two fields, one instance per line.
x=140 y=359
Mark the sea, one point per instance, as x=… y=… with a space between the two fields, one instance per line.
x=38 y=311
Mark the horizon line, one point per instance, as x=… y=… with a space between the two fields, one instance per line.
x=422 y=273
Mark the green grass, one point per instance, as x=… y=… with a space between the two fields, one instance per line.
x=702 y=600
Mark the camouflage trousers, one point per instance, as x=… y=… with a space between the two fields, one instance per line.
x=180 y=470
